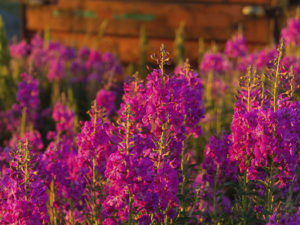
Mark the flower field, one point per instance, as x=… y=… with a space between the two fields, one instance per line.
x=82 y=142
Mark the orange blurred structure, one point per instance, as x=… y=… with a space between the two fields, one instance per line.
x=114 y=25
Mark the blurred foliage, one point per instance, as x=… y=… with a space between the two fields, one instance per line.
x=179 y=45
x=11 y=6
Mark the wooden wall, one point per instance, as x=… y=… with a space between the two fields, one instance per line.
x=77 y=22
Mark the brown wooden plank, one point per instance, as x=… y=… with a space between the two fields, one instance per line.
x=127 y=47
x=265 y=2
x=166 y=1
x=258 y=30
x=215 y=22
x=178 y=1
x=218 y=29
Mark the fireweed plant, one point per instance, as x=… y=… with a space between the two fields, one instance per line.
x=265 y=140
x=221 y=72
x=63 y=69
x=23 y=192
x=137 y=163
x=250 y=176
x=145 y=173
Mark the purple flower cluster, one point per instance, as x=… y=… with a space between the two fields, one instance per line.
x=23 y=195
x=236 y=47
x=144 y=173
x=99 y=67
x=284 y=219
x=214 y=62
x=94 y=142
x=261 y=136
x=28 y=94
x=32 y=136
x=216 y=170
x=106 y=99
x=216 y=161
x=265 y=141
x=265 y=58
x=59 y=166
x=261 y=60
x=19 y=50
x=20 y=120
x=291 y=33
x=58 y=61
x=64 y=118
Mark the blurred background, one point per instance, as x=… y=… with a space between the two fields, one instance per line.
x=134 y=29
x=10 y=10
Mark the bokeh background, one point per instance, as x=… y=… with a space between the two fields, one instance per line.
x=10 y=10
x=134 y=29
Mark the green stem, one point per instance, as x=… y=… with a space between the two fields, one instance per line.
x=215 y=193
x=166 y=219
x=209 y=88
x=128 y=153
x=161 y=146
x=162 y=62
x=23 y=122
x=94 y=192
x=249 y=88
x=194 y=204
x=152 y=219
x=263 y=78
x=219 y=117
x=127 y=131
x=244 y=196
x=52 y=200
x=130 y=209
x=183 y=169
x=270 y=188
x=55 y=91
x=275 y=89
x=70 y=217
x=26 y=170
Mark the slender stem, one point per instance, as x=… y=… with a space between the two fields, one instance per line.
x=128 y=153
x=182 y=165
x=183 y=168
x=275 y=93
x=70 y=217
x=161 y=146
x=219 y=117
x=292 y=83
x=94 y=164
x=127 y=130
x=55 y=91
x=263 y=78
x=270 y=188
x=95 y=117
x=23 y=121
x=95 y=122
x=209 y=88
x=26 y=170
x=166 y=219
x=52 y=200
x=275 y=89
x=94 y=192
x=152 y=219
x=130 y=209
x=162 y=61
x=244 y=196
x=194 y=204
x=249 y=88
x=215 y=192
